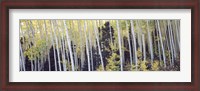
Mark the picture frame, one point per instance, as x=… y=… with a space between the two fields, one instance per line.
x=114 y=4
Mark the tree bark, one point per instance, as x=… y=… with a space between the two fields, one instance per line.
x=120 y=46
x=69 y=46
x=98 y=44
x=163 y=50
x=150 y=42
x=47 y=50
x=57 y=49
x=134 y=41
x=129 y=45
x=144 y=49
x=87 y=49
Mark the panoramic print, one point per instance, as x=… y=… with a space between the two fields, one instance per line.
x=99 y=45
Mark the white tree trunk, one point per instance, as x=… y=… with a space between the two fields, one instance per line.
x=120 y=46
x=90 y=44
x=69 y=46
x=135 y=47
x=144 y=49
x=22 y=57
x=139 y=35
x=177 y=34
x=87 y=49
x=98 y=44
x=81 y=46
x=54 y=52
x=47 y=50
x=33 y=35
x=58 y=53
x=129 y=45
x=167 y=40
x=150 y=42
x=163 y=50
x=170 y=38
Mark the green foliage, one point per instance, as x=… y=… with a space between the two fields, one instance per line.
x=99 y=68
x=139 y=54
x=143 y=66
x=161 y=63
x=113 y=47
x=155 y=66
x=36 y=49
x=113 y=64
x=155 y=50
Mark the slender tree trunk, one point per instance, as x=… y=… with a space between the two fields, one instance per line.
x=98 y=44
x=81 y=46
x=90 y=44
x=20 y=63
x=33 y=35
x=158 y=40
x=158 y=45
x=60 y=47
x=38 y=63
x=49 y=62
x=139 y=35
x=120 y=46
x=74 y=44
x=134 y=41
x=61 y=43
x=35 y=63
x=54 y=52
x=129 y=45
x=68 y=62
x=22 y=57
x=42 y=62
x=144 y=49
x=122 y=43
x=177 y=35
x=167 y=40
x=170 y=38
x=69 y=46
x=57 y=49
x=155 y=51
x=173 y=32
x=66 y=49
x=87 y=49
x=41 y=51
x=47 y=40
x=63 y=55
x=150 y=42
x=163 y=50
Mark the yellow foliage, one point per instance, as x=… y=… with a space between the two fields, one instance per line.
x=143 y=66
x=113 y=65
x=100 y=68
x=155 y=66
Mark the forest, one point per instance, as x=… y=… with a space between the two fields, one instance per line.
x=99 y=45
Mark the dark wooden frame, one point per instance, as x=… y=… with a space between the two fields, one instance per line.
x=103 y=4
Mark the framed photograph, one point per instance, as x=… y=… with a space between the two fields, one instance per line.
x=100 y=45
